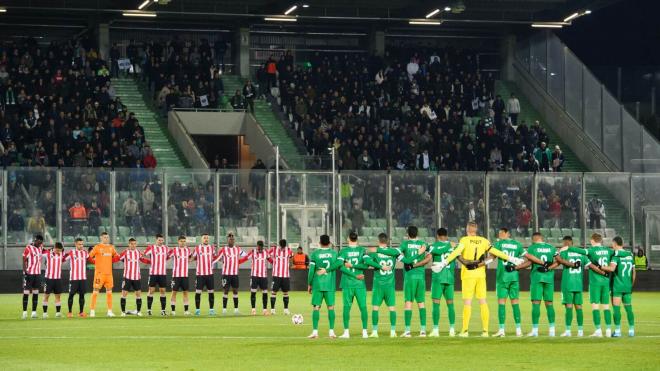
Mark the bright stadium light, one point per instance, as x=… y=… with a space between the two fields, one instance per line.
x=447 y=9
x=434 y=12
x=139 y=14
x=144 y=4
x=424 y=22
x=547 y=25
x=571 y=17
x=3 y=10
x=281 y=19
x=291 y=10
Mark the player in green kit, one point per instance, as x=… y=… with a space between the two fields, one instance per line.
x=414 y=282
x=384 y=282
x=572 y=281
x=442 y=283
x=622 y=267
x=541 y=256
x=599 y=282
x=352 y=283
x=321 y=284
x=507 y=283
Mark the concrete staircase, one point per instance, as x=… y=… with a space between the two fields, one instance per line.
x=155 y=127
x=617 y=214
x=270 y=123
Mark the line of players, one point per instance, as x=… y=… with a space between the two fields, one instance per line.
x=103 y=255
x=611 y=275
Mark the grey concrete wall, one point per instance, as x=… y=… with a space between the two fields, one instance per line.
x=212 y=123
x=562 y=124
x=259 y=143
x=185 y=142
x=508 y=56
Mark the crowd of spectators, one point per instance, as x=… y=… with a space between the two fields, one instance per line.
x=58 y=107
x=410 y=110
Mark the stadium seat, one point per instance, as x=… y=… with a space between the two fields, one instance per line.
x=545 y=232
x=92 y=239
x=577 y=232
x=566 y=232
x=555 y=232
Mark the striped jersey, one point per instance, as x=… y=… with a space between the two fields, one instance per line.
x=206 y=257
x=259 y=259
x=230 y=257
x=131 y=259
x=53 y=264
x=281 y=257
x=32 y=255
x=77 y=263
x=180 y=265
x=158 y=256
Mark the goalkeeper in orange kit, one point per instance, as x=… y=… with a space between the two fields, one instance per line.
x=103 y=255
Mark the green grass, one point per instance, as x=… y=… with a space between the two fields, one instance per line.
x=271 y=343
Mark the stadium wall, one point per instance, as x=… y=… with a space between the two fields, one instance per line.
x=11 y=280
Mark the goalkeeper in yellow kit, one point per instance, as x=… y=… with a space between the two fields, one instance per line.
x=472 y=251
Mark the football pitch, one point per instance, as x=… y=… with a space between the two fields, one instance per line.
x=274 y=343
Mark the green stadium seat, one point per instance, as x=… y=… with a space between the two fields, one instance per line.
x=577 y=232
x=400 y=232
x=566 y=232
x=92 y=239
x=555 y=232
x=367 y=231
x=141 y=240
x=382 y=223
x=423 y=232
x=124 y=231
x=68 y=239
x=545 y=232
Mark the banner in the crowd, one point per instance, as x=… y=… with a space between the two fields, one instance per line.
x=124 y=63
x=204 y=100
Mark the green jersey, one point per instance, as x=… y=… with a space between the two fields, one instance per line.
x=322 y=259
x=599 y=255
x=409 y=249
x=354 y=255
x=440 y=251
x=513 y=249
x=377 y=260
x=625 y=262
x=572 y=279
x=546 y=253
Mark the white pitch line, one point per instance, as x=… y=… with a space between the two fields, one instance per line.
x=125 y=337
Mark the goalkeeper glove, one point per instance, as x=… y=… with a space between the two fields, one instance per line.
x=510 y=268
x=542 y=269
x=437 y=267
x=472 y=266
x=577 y=264
x=515 y=261
x=482 y=258
x=407 y=267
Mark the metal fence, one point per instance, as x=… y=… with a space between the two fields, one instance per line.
x=63 y=204
x=602 y=118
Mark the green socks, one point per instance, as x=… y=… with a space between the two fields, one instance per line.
x=364 y=316
x=331 y=318
x=608 y=317
x=407 y=318
x=422 y=318
x=617 y=316
x=435 y=313
x=374 y=319
x=630 y=315
x=568 y=317
x=451 y=313
x=501 y=315
x=596 y=314
x=550 y=309
x=516 y=314
x=346 y=316
x=315 y=319
x=536 y=314
x=393 y=320
x=579 y=316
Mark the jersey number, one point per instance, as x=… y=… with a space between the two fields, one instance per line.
x=386 y=263
x=626 y=269
x=574 y=270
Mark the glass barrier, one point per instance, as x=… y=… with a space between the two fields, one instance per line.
x=462 y=200
x=632 y=139
x=612 y=128
x=559 y=200
x=363 y=197
x=574 y=88
x=414 y=203
x=85 y=204
x=592 y=108
x=243 y=206
x=138 y=205
x=539 y=58
x=556 y=70
x=608 y=206
x=190 y=204
x=510 y=204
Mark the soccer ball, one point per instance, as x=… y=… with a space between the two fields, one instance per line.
x=297 y=319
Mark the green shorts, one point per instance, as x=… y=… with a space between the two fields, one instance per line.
x=626 y=297
x=414 y=289
x=508 y=290
x=383 y=293
x=440 y=289
x=571 y=297
x=599 y=294
x=542 y=291
x=319 y=296
x=360 y=295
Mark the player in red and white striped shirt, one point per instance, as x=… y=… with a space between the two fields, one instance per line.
x=230 y=256
x=53 y=275
x=258 y=276
x=181 y=256
x=31 y=274
x=206 y=256
x=132 y=257
x=281 y=260
x=77 y=276
x=159 y=254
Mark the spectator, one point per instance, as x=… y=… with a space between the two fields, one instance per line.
x=513 y=108
x=524 y=220
x=543 y=155
x=300 y=260
x=248 y=94
x=94 y=218
x=364 y=161
x=149 y=160
x=148 y=198
x=596 y=210
x=130 y=210
x=237 y=101
x=641 y=262
x=15 y=221
x=557 y=159
x=36 y=224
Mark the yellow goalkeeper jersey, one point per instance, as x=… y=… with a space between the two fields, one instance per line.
x=471 y=248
